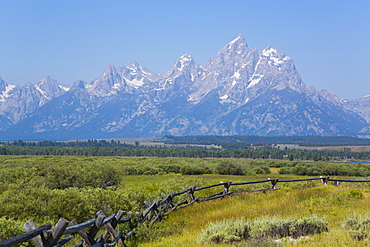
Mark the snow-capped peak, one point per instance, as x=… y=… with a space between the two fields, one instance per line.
x=46 y=80
x=235 y=49
x=274 y=57
x=238 y=45
x=50 y=88
x=269 y=51
x=239 y=39
x=185 y=58
x=134 y=65
x=184 y=61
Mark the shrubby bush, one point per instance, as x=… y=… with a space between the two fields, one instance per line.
x=230 y=168
x=296 y=227
x=10 y=228
x=194 y=170
x=227 y=231
x=358 y=226
x=170 y=168
x=261 y=170
x=327 y=169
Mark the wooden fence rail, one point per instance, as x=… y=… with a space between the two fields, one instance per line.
x=44 y=236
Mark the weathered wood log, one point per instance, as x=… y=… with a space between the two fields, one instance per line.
x=146 y=211
x=63 y=242
x=155 y=211
x=82 y=231
x=167 y=198
x=159 y=214
x=216 y=196
x=124 y=220
x=58 y=231
x=32 y=233
x=298 y=180
x=128 y=235
x=95 y=228
x=209 y=186
x=38 y=239
x=99 y=242
x=226 y=186
x=111 y=225
x=109 y=219
x=324 y=180
x=189 y=203
x=116 y=240
x=251 y=182
x=175 y=207
x=273 y=182
x=191 y=191
x=182 y=192
x=74 y=227
x=350 y=181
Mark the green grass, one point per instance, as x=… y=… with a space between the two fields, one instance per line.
x=26 y=192
x=330 y=202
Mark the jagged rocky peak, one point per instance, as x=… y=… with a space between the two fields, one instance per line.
x=135 y=70
x=109 y=70
x=236 y=47
x=134 y=76
x=184 y=61
x=134 y=65
x=78 y=85
x=184 y=65
x=274 y=56
x=50 y=88
x=108 y=78
x=46 y=82
x=330 y=96
x=240 y=91
x=3 y=85
x=6 y=90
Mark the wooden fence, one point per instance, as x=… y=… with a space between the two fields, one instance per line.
x=44 y=236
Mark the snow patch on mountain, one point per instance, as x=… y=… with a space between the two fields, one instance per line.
x=42 y=92
x=6 y=94
x=240 y=91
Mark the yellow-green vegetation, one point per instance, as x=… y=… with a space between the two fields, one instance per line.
x=336 y=205
x=242 y=230
x=44 y=188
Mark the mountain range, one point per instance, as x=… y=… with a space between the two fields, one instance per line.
x=239 y=92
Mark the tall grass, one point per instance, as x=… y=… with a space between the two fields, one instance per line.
x=329 y=202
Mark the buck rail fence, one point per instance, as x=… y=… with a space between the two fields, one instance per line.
x=44 y=236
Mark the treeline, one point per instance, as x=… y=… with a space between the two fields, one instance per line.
x=263 y=140
x=327 y=169
x=87 y=143
x=142 y=151
x=139 y=151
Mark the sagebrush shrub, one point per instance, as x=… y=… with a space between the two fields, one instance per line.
x=358 y=226
x=228 y=231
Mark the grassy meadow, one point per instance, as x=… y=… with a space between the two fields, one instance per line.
x=44 y=188
x=330 y=202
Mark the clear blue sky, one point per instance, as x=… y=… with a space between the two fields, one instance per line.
x=329 y=40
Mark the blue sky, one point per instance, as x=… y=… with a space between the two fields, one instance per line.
x=328 y=40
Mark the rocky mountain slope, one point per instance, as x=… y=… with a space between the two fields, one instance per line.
x=239 y=92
